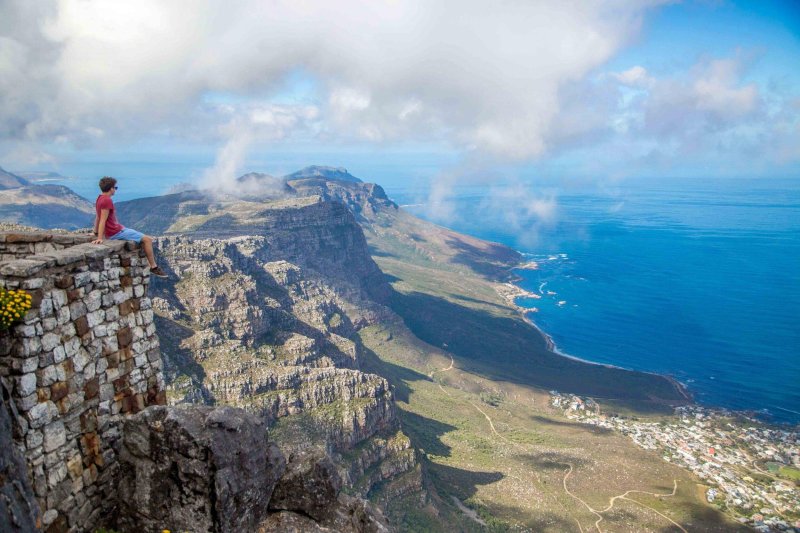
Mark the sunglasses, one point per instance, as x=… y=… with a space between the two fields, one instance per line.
x=116 y=187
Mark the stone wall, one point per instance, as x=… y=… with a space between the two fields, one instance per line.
x=19 y=245
x=85 y=355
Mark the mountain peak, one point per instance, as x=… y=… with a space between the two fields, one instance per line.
x=320 y=171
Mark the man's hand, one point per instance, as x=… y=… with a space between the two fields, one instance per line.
x=97 y=241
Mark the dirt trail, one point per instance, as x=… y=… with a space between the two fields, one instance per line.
x=598 y=513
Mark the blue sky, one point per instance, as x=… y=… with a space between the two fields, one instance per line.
x=403 y=91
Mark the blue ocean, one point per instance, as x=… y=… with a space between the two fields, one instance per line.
x=696 y=279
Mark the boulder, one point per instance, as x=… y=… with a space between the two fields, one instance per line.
x=347 y=515
x=310 y=485
x=196 y=468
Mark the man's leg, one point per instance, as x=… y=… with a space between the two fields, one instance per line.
x=147 y=244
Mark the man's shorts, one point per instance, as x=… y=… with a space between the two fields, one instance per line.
x=127 y=234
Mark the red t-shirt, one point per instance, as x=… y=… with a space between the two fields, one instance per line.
x=112 y=226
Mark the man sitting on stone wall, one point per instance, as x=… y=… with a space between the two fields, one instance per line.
x=107 y=227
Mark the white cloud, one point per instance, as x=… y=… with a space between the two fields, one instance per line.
x=256 y=123
x=713 y=97
x=482 y=76
x=635 y=76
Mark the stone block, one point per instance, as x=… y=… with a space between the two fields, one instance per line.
x=62 y=315
x=25 y=330
x=82 y=326
x=49 y=517
x=22 y=268
x=47 y=376
x=91 y=388
x=23 y=366
x=124 y=337
x=68 y=256
x=64 y=282
x=80 y=360
x=77 y=309
x=95 y=318
x=27 y=403
x=82 y=278
x=58 y=391
x=112 y=313
x=55 y=436
x=73 y=295
x=126 y=307
x=119 y=297
x=106 y=392
x=93 y=300
x=25 y=385
x=34 y=439
x=50 y=341
x=59 y=298
x=33 y=283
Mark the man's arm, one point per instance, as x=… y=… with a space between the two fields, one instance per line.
x=96 y=220
x=101 y=226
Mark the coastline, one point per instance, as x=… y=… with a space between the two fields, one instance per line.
x=510 y=291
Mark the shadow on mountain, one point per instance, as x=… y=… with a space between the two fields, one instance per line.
x=177 y=359
x=380 y=253
x=510 y=349
x=389 y=278
x=704 y=518
x=398 y=376
x=597 y=430
x=492 y=261
x=461 y=483
x=156 y=214
x=553 y=461
x=426 y=433
x=476 y=301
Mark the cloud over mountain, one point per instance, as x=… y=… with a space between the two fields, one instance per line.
x=469 y=73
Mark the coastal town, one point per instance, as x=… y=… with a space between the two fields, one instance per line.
x=749 y=470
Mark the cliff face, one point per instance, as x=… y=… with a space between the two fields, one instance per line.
x=19 y=510
x=264 y=318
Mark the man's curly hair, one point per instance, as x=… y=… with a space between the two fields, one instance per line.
x=106 y=183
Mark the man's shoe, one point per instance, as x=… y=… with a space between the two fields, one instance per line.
x=157 y=272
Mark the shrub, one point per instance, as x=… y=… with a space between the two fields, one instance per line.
x=13 y=306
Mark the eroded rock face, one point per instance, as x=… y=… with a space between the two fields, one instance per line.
x=310 y=485
x=347 y=515
x=196 y=469
x=19 y=511
x=268 y=321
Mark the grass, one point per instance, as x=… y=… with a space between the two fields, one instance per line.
x=790 y=473
x=502 y=369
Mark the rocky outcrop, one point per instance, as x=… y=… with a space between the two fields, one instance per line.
x=347 y=515
x=196 y=469
x=364 y=200
x=310 y=483
x=266 y=321
x=19 y=510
